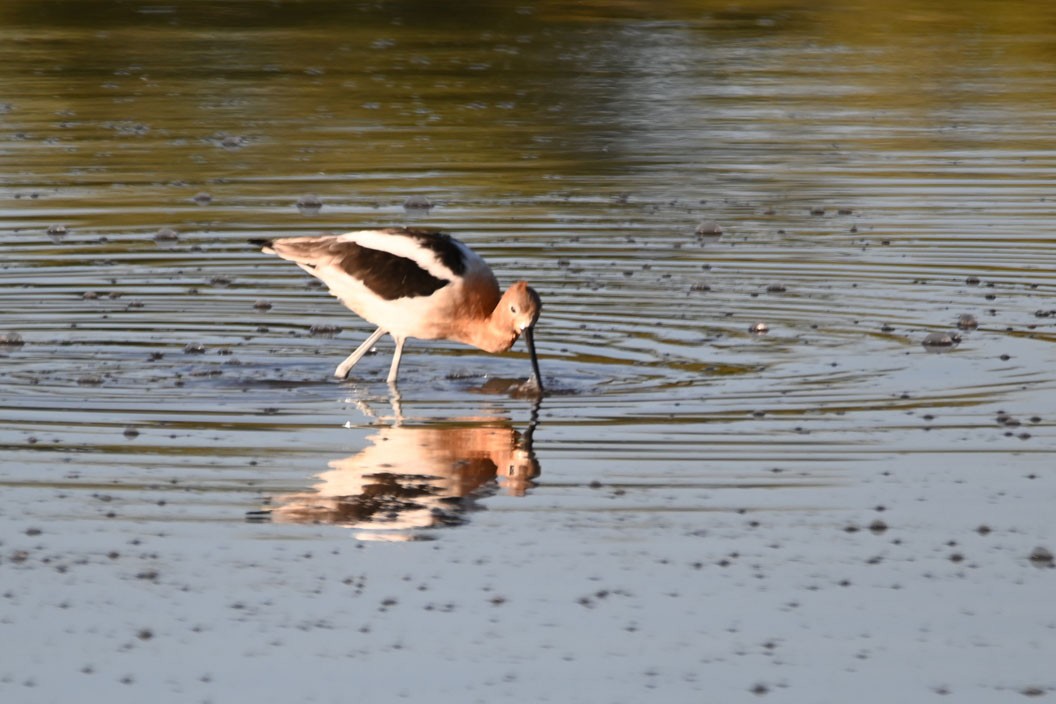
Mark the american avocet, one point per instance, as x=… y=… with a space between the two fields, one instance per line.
x=416 y=283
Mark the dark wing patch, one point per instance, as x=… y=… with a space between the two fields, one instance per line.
x=446 y=248
x=387 y=275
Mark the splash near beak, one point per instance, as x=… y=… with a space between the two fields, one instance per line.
x=530 y=341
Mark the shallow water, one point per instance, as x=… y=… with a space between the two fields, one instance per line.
x=195 y=510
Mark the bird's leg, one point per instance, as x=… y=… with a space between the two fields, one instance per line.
x=395 y=368
x=342 y=369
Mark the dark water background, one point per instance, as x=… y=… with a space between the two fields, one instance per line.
x=826 y=510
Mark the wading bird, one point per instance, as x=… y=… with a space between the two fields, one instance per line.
x=416 y=283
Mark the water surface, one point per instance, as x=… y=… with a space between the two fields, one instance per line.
x=195 y=508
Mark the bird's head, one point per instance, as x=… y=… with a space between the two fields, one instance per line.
x=520 y=307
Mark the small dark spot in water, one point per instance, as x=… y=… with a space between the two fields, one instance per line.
x=166 y=235
x=941 y=340
x=886 y=328
x=262 y=305
x=11 y=339
x=967 y=322
x=131 y=432
x=155 y=356
x=194 y=348
x=699 y=288
x=775 y=288
x=145 y=634
x=759 y=689
x=1005 y=357
x=759 y=328
x=956 y=557
x=233 y=141
x=220 y=281
x=90 y=296
x=202 y=198
x=877 y=527
x=708 y=228
x=150 y=575
x=323 y=330
x=57 y=232
x=972 y=281
x=90 y=380
x=1042 y=557
x=844 y=211
x=417 y=203
x=817 y=210
x=309 y=204
x=1032 y=692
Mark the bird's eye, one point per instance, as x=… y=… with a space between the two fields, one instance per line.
x=513 y=309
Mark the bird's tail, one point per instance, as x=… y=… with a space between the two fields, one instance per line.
x=264 y=245
x=305 y=251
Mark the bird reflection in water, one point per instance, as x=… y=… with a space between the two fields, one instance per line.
x=415 y=477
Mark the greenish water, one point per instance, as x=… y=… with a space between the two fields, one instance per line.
x=876 y=170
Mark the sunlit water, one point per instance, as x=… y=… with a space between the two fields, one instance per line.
x=858 y=181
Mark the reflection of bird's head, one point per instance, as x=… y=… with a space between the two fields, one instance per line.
x=517 y=475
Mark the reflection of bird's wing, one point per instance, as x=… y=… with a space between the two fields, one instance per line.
x=406 y=477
